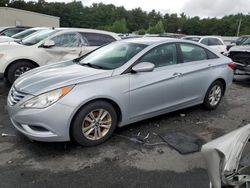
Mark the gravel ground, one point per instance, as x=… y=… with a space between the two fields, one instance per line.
x=121 y=162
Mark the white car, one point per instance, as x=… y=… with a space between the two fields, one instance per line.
x=215 y=43
x=21 y=35
x=49 y=46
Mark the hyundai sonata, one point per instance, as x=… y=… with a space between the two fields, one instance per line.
x=115 y=85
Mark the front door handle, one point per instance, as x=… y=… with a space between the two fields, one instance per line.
x=177 y=74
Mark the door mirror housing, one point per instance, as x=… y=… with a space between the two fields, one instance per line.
x=144 y=67
x=48 y=44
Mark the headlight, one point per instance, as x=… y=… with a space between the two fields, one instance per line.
x=47 y=99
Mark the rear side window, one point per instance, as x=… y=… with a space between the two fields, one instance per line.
x=214 y=42
x=67 y=40
x=204 y=41
x=97 y=39
x=192 y=52
x=10 y=32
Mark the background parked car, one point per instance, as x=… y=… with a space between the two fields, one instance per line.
x=21 y=35
x=241 y=56
x=10 y=31
x=115 y=85
x=48 y=46
x=242 y=39
x=215 y=43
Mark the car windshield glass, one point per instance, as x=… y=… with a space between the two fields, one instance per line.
x=2 y=28
x=34 y=39
x=195 y=39
x=112 y=56
x=246 y=42
x=23 y=34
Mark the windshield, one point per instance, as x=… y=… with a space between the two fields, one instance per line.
x=2 y=28
x=113 y=55
x=195 y=39
x=23 y=34
x=36 y=38
x=246 y=42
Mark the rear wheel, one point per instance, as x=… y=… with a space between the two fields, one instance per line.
x=17 y=69
x=214 y=95
x=94 y=123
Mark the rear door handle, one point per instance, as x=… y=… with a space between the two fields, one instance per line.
x=177 y=74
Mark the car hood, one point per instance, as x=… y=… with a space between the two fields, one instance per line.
x=245 y=48
x=9 y=46
x=57 y=75
x=6 y=39
x=223 y=155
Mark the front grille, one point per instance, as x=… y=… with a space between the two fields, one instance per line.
x=15 y=96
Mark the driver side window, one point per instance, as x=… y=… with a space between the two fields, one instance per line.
x=160 y=56
x=68 y=40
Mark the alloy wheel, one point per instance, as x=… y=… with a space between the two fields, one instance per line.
x=215 y=95
x=96 y=124
x=19 y=71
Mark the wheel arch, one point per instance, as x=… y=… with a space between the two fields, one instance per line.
x=15 y=61
x=223 y=83
x=112 y=102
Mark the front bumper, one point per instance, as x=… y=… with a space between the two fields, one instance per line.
x=51 y=124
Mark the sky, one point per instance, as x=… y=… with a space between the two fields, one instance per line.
x=202 y=8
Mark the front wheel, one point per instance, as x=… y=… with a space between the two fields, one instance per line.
x=213 y=96
x=17 y=69
x=94 y=123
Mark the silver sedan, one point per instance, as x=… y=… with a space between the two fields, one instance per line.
x=115 y=85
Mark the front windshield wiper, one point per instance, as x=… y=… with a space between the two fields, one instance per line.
x=93 y=66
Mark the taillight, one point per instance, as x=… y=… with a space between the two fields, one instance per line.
x=232 y=65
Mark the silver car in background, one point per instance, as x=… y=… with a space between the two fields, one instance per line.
x=115 y=85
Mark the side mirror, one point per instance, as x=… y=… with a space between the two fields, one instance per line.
x=144 y=67
x=48 y=44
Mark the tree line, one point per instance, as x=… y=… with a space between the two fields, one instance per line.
x=118 y=19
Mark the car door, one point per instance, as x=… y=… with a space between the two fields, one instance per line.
x=197 y=70
x=153 y=92
x=67 y=46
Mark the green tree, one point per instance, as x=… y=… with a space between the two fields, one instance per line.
x=119 y=26
x=157 y=29
x=141 y=32
x=3 y=3
x=118 y=19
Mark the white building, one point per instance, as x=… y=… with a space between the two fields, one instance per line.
x=18 y=17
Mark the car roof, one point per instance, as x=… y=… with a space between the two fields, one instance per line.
x=151 y=40
x=115 y=35
x=198 y=36
x=39 y=28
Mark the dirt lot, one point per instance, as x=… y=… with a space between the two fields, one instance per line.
x=121 y=162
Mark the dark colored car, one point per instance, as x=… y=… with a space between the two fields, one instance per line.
x=242 y=39
x=9 y=31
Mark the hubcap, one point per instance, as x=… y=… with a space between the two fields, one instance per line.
x=215 y=95
x=20 y=71
x=96 y=124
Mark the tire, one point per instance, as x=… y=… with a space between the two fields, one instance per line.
x=210 y=104
x=82 y=120
x=18 y=68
